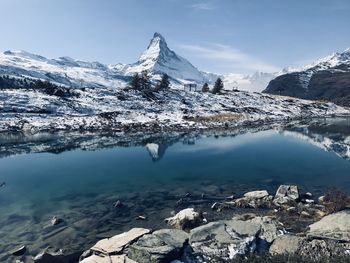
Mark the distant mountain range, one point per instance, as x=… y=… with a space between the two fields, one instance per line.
x=156 y=59
x=326 y=79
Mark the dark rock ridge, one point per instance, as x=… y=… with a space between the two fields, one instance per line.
x=328 y=80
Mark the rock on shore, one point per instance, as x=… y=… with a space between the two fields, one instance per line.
x=242 y=236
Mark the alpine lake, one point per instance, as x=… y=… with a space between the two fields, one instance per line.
x=80 y=177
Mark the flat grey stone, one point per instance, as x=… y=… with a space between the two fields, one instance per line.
x=163 y=245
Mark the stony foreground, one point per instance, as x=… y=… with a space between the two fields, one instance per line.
x=323 y=234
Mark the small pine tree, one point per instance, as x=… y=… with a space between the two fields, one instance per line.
x=164 y=83
x=145 y=81
x=205 y=87
x=135 y=82
x=218 y=86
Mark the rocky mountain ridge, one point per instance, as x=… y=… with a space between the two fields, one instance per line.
x=326 y=79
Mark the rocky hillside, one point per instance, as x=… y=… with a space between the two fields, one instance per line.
x=327 y=79
x=131 y=110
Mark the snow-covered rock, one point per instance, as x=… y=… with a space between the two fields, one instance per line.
x=224 y=240
x=185 y=219
x=101 y=109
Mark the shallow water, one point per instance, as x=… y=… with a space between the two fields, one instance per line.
x=150 y=176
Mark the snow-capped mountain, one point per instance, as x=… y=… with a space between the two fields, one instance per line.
x=327 y=62
x=64 y=70
x=327 y=78
x=159 y=59
x=156 y=59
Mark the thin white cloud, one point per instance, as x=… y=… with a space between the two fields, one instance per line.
x=203 y=6
x=229 y=57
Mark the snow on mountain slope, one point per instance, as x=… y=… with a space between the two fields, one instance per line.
x=156 y=59
x=64 y=71
x=159 y=59
x=326 y=79
x=260 y=80
x=331 y=61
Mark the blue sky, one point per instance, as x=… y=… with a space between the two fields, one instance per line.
x=221 y=36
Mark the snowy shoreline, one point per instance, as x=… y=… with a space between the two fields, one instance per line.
x=133 y=111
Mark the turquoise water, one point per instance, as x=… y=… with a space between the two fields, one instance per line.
x=39 y=185
x=254 y=159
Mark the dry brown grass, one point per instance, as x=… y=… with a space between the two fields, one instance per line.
x=336 y=200
x=221 y=117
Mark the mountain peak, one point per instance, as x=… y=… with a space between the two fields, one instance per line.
x=158 y=36
x=156 y=49
x=158 y=58
x=23 y=54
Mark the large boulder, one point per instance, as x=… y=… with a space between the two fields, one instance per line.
x=53 y=255
x=285 y=244
x=285 y=194
x=106 y=250
x=185 y=219
x=117 y=243
x=335 y=226
x=161 y=246
x=224 y=240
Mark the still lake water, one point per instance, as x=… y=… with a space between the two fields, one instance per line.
x=83 y=182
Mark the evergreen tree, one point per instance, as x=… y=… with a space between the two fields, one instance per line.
x=218 y=86
x=145 y=81
x=205 y=87
x=164 y=83
x=135 y=82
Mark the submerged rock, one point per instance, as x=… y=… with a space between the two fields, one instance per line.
x=161 y=246
x=56 y=221
x=118 y=204
x=53 y=255
x=185 y=219
x=19 y=251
